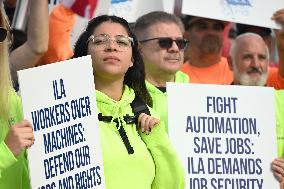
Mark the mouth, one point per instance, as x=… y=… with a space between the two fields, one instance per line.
x=254 y=73
x=173 y=59
x=111 y=58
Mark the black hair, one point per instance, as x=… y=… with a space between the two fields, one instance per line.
x=135 y=75
x=244 y=28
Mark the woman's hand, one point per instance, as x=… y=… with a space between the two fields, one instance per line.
x=147 y=122
x=20 y=136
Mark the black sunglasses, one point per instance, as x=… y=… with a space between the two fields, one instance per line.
x=167 y=42
x=3 y=34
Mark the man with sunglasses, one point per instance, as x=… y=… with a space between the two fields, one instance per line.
x=204 y=63
x=162 y=48
x=249 y=59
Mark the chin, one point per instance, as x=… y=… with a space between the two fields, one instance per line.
x=253 y=80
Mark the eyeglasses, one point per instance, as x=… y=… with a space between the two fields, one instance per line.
x=101 y=41
x=3 y=34
x=167 y=42
x=202 y=26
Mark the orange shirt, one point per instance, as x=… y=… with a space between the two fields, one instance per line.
x=274 y=79
x=219 y=73
x=61 y=22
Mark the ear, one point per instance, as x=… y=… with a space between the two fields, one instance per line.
x=186 y=35
x=140 y=46
x=230 y=62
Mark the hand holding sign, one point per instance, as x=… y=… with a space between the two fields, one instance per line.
x=19 y=137
x=278 y=169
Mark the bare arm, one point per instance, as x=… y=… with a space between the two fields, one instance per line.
x=36 y=45
x=278 y=17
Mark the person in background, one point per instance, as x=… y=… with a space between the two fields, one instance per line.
x=204 y=63
x=266 y=34
x=61 y=22
x=249 y=59
x=162 y=48
x=29 y=53
x=145 y=160
x=250 y=56
x=16 y=134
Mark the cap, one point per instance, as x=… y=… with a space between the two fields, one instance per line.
x=189 y=20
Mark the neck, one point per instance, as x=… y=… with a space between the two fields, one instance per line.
x=160 y=80
x=112 y=89
x=199 y=59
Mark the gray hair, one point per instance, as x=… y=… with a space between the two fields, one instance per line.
x=235 y=45
x=152 y=18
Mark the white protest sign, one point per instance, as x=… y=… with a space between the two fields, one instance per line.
x=252 y=12
x=169 y=6
x=225 y=136
x=130 y=10
x=59 y=100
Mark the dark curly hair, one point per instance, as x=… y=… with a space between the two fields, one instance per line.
x=135 y=75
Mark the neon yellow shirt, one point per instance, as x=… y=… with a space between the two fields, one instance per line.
x=154 y=163
x=13 y=170
x=160 y=103
x=279 y=110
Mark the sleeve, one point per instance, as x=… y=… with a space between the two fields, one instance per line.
x=6 y=157
x=61 y=23
x=169 y=171
x=279 y=110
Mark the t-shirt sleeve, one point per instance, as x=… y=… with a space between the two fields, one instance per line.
x=61 y=23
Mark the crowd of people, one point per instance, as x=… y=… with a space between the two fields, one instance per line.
x=131 y=63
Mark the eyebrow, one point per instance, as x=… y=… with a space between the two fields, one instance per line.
x=104 y=34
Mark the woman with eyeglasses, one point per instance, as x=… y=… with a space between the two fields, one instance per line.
x=15 y=135
x=135 y=159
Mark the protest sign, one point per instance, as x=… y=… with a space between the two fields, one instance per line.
x=225 y=136
x=252 y=12
x=130 y=10
x=59 y=100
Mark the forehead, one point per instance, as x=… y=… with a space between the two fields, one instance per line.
x=110 y=28
x=198 y=20
x=252 y=44
x=164 y=30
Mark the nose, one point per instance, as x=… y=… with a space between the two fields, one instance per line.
x=174 y=47
x=111 y=45
x=255 y=62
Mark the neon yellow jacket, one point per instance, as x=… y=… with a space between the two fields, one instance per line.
x=279 y=110
x=13 y=170
x=154 y=164
x=160 y=103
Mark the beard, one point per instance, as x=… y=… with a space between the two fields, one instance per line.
x=211 y=44
x=247 y=80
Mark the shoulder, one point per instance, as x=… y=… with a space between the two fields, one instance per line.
x=181 y=77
